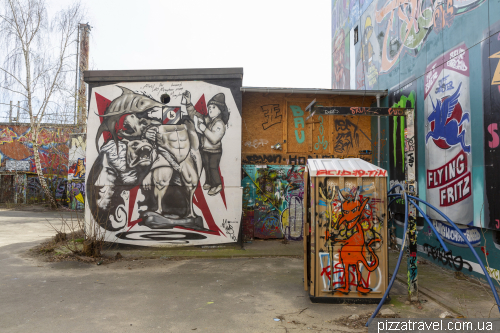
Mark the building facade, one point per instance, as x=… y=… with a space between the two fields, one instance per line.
x=442 y=59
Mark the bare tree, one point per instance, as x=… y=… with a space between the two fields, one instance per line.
x=37 y=59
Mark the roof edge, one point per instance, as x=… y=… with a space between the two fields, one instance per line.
x=315 y=91
x=163 y=74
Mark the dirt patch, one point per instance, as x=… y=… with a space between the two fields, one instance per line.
x=69 y=247
x=361 y=321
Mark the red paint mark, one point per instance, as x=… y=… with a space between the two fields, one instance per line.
x=327 y=271
x=222 y=193
x=413 y=254
x=360 y=173
x=131 y=203
x=200 y=202
x=484 y=250
x=201 y=106
x=102 y=105
x=133 y=223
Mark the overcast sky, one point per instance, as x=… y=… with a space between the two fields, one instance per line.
x=279 y=43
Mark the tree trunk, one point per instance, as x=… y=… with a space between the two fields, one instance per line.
x=41 y=177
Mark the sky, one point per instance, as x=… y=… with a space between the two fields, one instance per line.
x=279 y=43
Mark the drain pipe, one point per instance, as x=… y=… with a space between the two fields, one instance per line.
x=378 y=133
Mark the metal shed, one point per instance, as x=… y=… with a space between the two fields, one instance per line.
x=345 y=248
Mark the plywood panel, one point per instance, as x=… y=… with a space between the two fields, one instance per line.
x=268 y=119
x=350 y=135
x=299 y=133
x=262 y=122
x=306 y=227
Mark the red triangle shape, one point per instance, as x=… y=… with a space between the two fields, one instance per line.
x=102 y=105
x=201 y=106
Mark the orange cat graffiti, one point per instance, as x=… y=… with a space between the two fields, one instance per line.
x=354 y=246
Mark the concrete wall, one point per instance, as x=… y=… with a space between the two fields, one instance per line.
x=165 y=174
x=442 y=59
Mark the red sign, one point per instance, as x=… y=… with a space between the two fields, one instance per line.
x=452 y=170
x=456 y=191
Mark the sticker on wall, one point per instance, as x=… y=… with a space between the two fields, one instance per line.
x=448 y=138
x=164 y=173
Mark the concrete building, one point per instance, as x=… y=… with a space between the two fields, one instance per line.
x=253 y=187
x=442 y=59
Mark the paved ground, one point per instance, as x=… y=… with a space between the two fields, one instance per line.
x=238 y=294
x=28 y=226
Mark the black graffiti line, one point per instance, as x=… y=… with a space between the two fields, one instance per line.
x=438 y=254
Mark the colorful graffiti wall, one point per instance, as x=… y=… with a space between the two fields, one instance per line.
x=163 y=163
x=16 y=156
x=272 y=201
x=441 y=58
x=76 y=171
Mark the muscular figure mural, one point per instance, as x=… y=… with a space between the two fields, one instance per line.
x=148 y=168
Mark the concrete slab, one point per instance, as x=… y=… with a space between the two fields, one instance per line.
x=468 y=297
x=179 y=294
x=26 y=226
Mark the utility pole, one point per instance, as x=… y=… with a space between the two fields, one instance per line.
x=84 y=30
x=76 y=77
x=18 y=110
x=10 y=112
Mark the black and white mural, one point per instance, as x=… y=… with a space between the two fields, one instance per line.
x=163 y=163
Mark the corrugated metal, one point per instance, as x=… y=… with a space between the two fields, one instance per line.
x=356 y=167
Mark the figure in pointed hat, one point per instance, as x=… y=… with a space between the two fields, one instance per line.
x=212 y=129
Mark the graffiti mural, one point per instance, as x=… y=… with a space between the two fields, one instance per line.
x=352 y=236
x=76 y=171
x=400 y=96
x=448 y=137
x=16 y=148
x=16 y=154
x=163 y=164
x=341 y=58
x=388 y=30
x=272 y=200
x=491 y=102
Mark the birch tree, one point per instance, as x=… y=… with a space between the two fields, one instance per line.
x=38 y=62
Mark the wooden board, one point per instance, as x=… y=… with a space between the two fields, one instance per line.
x=270 y=119
x=306 y=227
x=339 y=226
